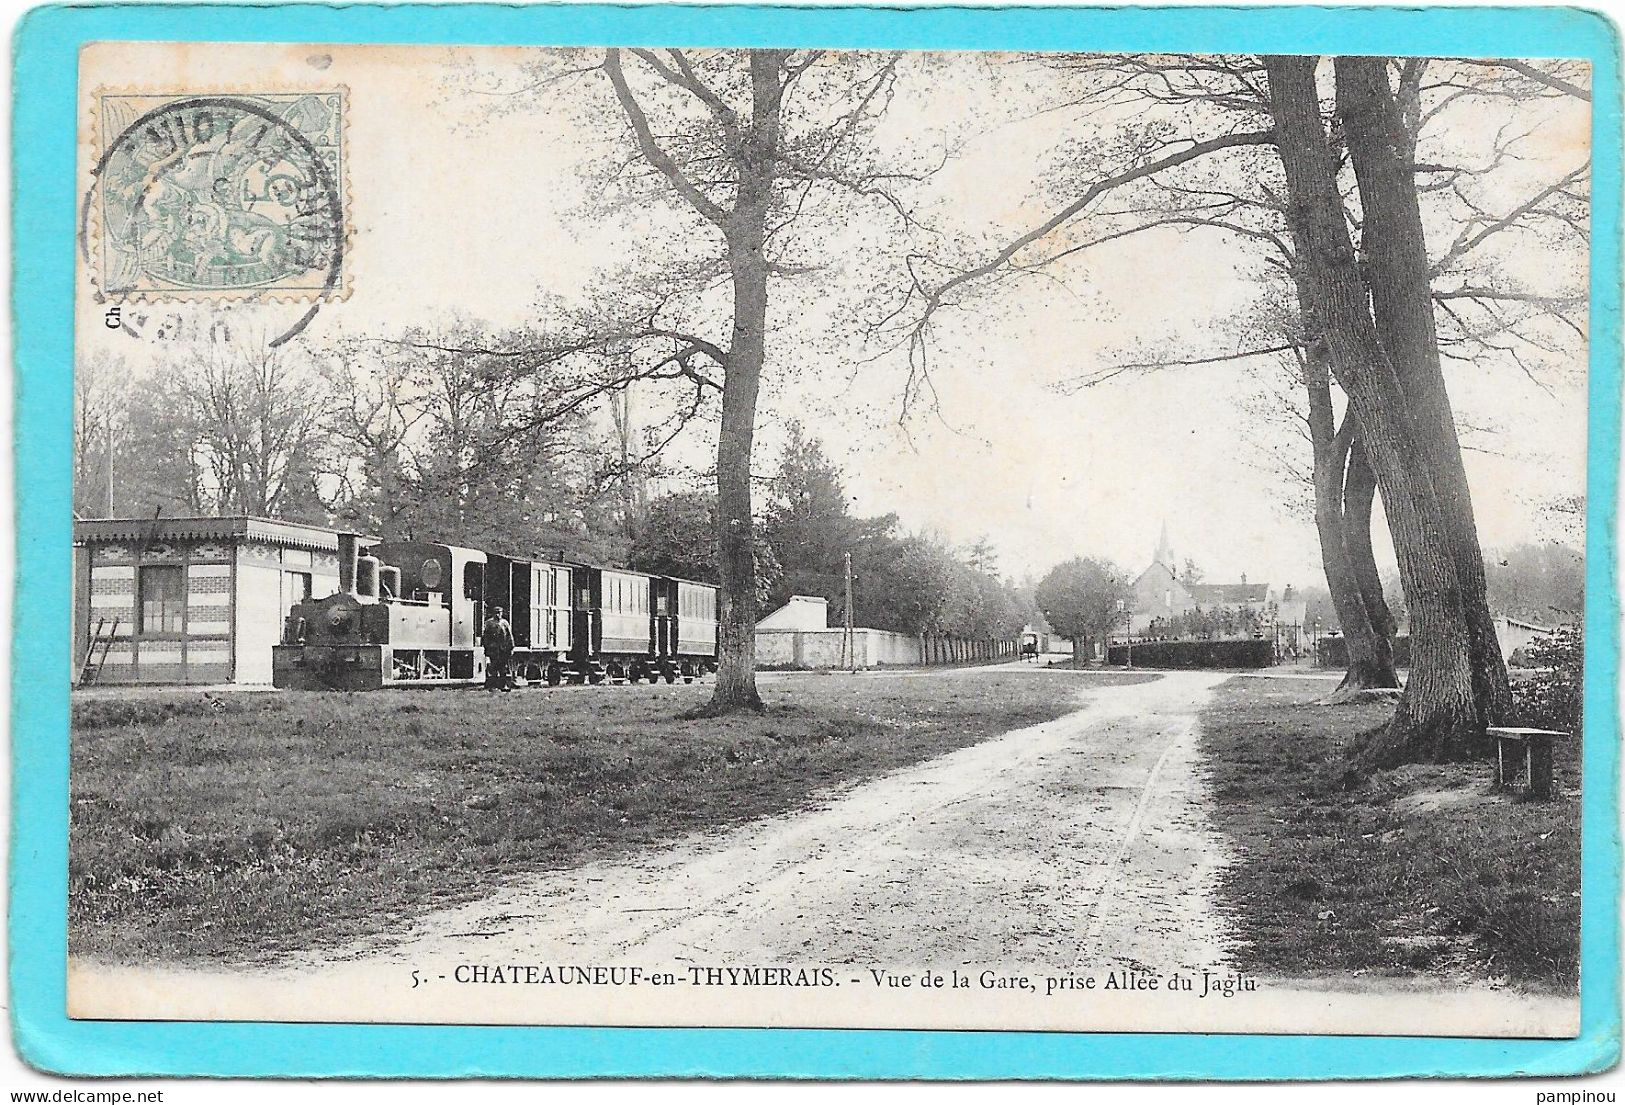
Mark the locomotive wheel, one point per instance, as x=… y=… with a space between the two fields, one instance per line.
x=554 y=676
x=654 y=675
x=671 y=676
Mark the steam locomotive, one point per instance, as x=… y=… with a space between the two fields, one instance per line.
x=410 y=614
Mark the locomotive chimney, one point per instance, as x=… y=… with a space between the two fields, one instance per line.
x=349 y=551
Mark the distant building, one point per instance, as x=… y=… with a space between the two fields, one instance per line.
x=802 y=612
x=1291 y=622
x=192 y=600
x=1160 y=603
x=798 y=636
x=1039 y=635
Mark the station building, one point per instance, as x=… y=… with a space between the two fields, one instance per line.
x=191 y=600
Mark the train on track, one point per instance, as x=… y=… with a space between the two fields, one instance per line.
x=411 y=614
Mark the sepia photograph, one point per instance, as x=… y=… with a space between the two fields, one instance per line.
x=820 y=538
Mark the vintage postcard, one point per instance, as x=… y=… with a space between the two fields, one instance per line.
x=772 y=537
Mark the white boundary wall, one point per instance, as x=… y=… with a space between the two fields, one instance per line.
x=821 y=649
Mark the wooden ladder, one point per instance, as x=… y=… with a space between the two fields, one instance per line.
x=102 y=635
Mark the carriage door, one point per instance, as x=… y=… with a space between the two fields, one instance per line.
x=664 y=644
x=543 y=597
x=588 y=641
x=474 y=592
x=558 y=610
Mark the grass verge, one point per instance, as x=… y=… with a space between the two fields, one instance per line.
x=1418 y=869
x=241 y=826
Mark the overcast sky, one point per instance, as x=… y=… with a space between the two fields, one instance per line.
x=459 y=210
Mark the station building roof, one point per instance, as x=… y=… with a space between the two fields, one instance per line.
x=293 y=535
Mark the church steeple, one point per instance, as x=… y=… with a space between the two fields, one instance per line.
x=1164 y=555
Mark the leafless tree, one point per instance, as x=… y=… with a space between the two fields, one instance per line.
x=1185 y=174
x=100 y=398
x=254 y=415
x=744 y=160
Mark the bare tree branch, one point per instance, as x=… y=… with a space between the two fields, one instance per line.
x=1090 y=194
x=1524 y=69
x=651 y=149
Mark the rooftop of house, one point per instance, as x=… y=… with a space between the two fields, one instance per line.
x=1525 y=623
x=1229 y=592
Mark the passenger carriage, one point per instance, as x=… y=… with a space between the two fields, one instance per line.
x=410 y=613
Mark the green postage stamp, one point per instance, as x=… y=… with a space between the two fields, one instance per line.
x=204 y=194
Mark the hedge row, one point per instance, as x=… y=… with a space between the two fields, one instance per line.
x=1196 y=654
x=1334 y=652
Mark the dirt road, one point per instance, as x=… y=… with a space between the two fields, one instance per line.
x=1080 y=840
x=1052 y=854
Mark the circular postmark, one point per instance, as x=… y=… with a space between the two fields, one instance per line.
x=203 y=196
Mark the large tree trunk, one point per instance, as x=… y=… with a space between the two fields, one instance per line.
x=1370 y=650
x=736 y=612
x=1370 y=645
x=1359 y=497
x=1437 y=717
x=746 y=233
x=1402 y=306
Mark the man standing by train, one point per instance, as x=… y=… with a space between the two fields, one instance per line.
x=498 y=637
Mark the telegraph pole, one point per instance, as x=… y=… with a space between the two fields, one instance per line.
x=109 y=465
x=848 y=638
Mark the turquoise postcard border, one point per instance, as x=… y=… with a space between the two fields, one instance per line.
x=45 y=52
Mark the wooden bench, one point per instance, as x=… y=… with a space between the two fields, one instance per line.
x=1536 y=745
